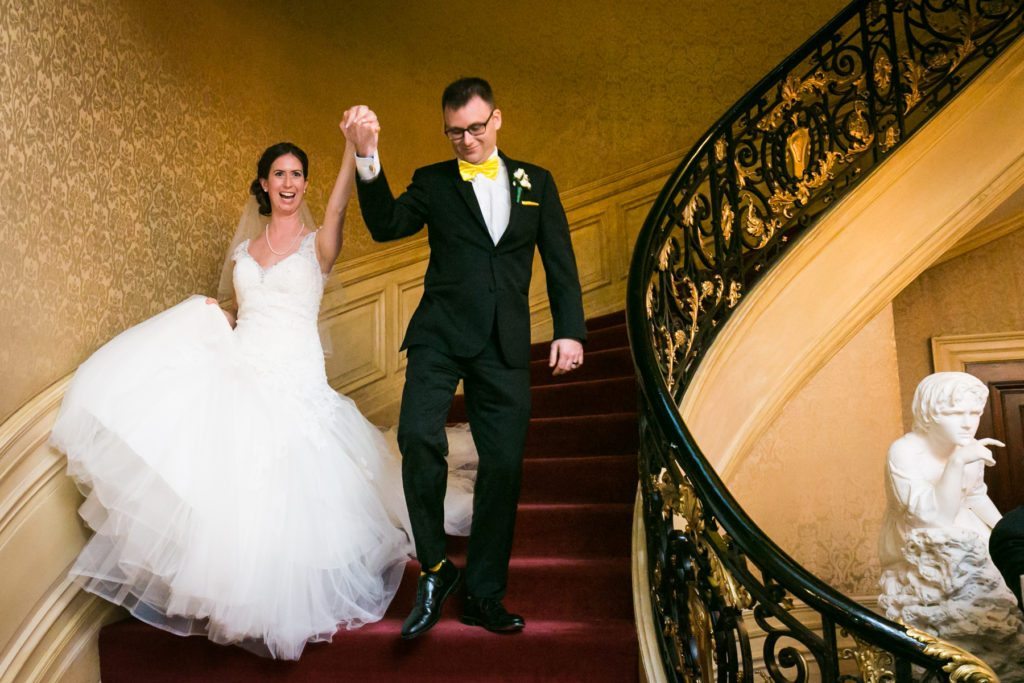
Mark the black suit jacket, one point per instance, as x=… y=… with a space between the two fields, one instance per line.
x=472 y=285
x=1006 y=546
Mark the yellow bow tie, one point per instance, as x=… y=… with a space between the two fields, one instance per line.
x=488 y=169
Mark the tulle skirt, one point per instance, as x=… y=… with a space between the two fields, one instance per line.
x=253 y=506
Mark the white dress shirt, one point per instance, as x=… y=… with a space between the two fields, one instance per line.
x=494 y=196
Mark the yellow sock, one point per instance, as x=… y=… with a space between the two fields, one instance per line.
x=431 y=570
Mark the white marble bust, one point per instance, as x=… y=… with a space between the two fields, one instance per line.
x=936 y=571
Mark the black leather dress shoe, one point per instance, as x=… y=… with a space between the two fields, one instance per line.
x=431 y=592
x=491 y=614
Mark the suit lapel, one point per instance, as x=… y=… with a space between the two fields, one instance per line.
x=515 y=208
x=466 y=191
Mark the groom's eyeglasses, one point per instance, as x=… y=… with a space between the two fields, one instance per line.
x=455 y=134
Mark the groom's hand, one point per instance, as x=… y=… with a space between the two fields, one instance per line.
x=361 y=128
x=566 y=355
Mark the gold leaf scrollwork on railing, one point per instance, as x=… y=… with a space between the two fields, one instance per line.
x=758 y=227
x=720 y=149
x=655 y=592
x=682 y=500
x=703 y=634
x=671 y=631
x=882 y=71
x=889 y=138
x=914 y=74
x=792 y=89
x=741 y=175
x=672 y=344
x=689 y=210
x=733 y=593
x=875 y=665
x=962 y=666
x=860 y=131
x=727 y=219
x=666 y=251
x=798 y=146
x=943 y=60
x=734 y=295
x=783 y=201
x=962 y=52
x=675 y=344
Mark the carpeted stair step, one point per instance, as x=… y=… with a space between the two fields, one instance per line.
x=606 y=320
x=611 y=434
x=569 y=576
x=547 y=589
x=597 y=340
x=596 y=651
x=593 y=397
x=596 y=365
x=583 y=479
x=567 y=530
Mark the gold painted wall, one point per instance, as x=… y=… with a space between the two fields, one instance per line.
x=813 y=482
x=981 y=291
x=128 y=130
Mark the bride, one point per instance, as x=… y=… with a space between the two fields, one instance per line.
x=233 y=493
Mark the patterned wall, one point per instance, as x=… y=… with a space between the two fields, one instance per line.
x=128 y=128
x=119 y=183
x=981 y=291
x=814 y=481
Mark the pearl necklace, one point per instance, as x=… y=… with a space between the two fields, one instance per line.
x=270 y=246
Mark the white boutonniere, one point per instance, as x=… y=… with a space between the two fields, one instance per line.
x=522 y=182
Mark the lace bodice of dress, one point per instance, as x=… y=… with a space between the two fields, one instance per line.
x=278 y=308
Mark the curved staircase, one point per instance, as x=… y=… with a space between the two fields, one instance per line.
x=570 y=573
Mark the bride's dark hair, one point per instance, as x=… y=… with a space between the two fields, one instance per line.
x=263 y=171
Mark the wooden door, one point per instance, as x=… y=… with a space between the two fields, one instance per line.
x=1004 y=420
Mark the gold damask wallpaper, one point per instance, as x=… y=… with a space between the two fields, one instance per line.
x=814 y=481
x=981 y=291
x=118 y=180
x=129 y=128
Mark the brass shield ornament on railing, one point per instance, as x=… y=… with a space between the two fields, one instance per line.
x=802 y=139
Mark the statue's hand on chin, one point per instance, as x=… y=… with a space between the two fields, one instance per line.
x=978 y=449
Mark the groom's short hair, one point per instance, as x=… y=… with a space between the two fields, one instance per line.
x=457 y=94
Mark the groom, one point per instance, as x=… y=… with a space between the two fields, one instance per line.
x=485 y=215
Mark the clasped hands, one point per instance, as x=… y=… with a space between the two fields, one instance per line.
x=360 y=126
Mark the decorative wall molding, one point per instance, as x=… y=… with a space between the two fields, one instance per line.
x=49 y=628
x=952 y=353
x=982 y=235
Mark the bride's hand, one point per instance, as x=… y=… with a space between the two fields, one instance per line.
x=227 y=314
x=361 y=128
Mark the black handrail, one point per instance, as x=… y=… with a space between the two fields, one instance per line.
x=763 y=175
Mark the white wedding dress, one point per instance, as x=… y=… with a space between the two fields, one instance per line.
x=234 y=493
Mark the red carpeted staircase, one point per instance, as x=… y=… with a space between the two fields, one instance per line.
x=570 y=573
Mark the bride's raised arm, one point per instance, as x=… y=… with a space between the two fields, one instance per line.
x=329 y=239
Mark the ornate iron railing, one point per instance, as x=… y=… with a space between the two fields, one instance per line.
x=778 y=159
